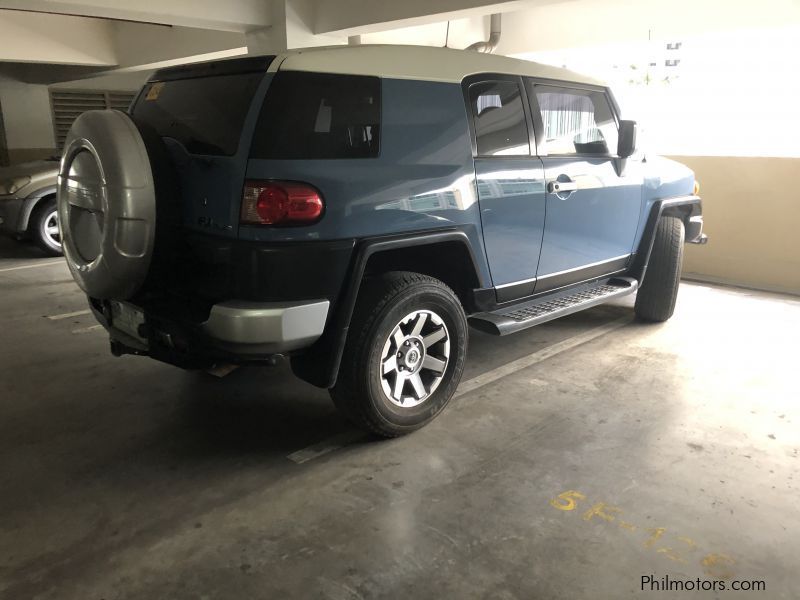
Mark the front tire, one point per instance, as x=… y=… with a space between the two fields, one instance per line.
x=656 y=299
x=404 y=356
x=44 y=228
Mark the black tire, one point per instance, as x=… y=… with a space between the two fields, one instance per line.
x=655 y=300
x=382 y=305
x=44 y=216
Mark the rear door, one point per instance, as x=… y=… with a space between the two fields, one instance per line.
x=201 y=113
x=510 y=182
x=592 y=210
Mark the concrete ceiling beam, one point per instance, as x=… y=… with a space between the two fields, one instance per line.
x=223 y=15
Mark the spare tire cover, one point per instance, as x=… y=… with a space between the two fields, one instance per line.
x=106 y=204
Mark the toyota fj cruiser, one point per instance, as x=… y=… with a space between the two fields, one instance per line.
x=354 y=208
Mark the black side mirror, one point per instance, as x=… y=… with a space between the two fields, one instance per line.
x=627 y=139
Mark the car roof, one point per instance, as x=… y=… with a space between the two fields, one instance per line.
x=427 y=63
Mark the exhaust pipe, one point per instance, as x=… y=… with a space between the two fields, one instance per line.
x=494 y=37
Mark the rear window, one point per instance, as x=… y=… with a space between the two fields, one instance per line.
x=316 y=115
x=205 y=114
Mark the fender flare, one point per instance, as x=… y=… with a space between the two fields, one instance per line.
x=29 y=204
x=676 y=207
x=319 y=365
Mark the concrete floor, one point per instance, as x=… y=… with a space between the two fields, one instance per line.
x=674 y=449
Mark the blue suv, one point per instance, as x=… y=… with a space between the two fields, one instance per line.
x=355 y=208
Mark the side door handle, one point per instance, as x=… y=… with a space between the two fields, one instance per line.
x=560 y=187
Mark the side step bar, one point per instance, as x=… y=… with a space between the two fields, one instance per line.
x=540 y=310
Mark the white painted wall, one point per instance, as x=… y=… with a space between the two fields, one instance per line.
x=223 y=15
x=56 y=39
x=587 y=23
x=463 y=32
x=292 y=27
x=126 y=82
x=139 y=45
x=26 y=113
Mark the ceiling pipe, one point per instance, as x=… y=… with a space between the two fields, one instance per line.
x=494 y=36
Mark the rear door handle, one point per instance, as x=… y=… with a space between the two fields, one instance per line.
x=559 y=187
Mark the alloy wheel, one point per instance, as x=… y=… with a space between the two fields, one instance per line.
x=415 y=358
x=50 y=227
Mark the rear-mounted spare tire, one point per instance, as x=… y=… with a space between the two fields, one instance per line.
x=107 y=204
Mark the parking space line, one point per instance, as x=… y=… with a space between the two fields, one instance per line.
x=325 y=446
x=86 y=329
x=343 y=439
x=77 y=313
x=47 y=264
x=527 y=361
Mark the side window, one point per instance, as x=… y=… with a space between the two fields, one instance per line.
x=316 y=115
x=499 y=117
x=576 y=121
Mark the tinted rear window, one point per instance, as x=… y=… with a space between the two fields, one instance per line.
x=316 y=115
x=205 y=114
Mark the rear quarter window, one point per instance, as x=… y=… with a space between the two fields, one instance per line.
x=317 y=116
x=205 y=114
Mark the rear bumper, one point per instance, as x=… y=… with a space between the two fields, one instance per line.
x=235 y=331
x=224 y=300
x=263 y=327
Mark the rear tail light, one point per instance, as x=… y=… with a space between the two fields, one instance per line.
x=280 y=203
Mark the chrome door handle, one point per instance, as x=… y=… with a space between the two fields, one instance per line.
x=557 y=187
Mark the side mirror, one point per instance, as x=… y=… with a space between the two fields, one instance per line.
x=627 y=139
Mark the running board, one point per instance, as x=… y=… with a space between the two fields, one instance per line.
x=540 y=310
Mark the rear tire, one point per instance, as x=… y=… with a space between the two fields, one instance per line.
x=655 y=301
x=405 y=326
x=44 y=227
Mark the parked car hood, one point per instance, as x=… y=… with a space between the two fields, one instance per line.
x=28 y=177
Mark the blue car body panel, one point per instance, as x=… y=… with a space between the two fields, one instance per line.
x=512 y=201
x=596 y=223
x=423 y=178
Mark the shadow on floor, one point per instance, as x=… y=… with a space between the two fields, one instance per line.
x=12 y=248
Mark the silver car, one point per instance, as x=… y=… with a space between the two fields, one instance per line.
x=28 y=203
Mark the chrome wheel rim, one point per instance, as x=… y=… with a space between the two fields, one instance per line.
x=50 y=228
x=414 y=358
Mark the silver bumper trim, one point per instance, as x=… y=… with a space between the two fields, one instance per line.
x=267 y=326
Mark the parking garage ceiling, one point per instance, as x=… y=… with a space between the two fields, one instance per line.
x=98 y=37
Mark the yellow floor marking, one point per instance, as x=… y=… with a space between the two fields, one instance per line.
x=602 y=510
x=657 y=533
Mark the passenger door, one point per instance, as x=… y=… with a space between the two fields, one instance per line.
x=592 y=210
x=510 y=182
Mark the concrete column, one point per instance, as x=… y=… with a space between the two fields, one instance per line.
x=292 y=27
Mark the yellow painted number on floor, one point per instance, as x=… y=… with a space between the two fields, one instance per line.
x=567 y=500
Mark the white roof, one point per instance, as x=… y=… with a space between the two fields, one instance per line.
x=415 y=62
